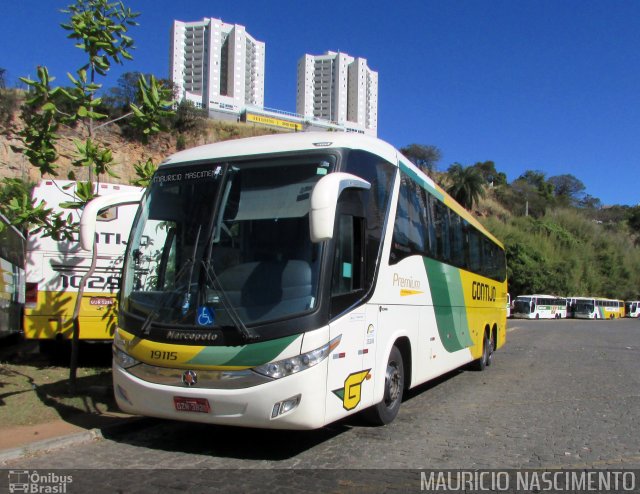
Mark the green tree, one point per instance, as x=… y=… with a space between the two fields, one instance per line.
x=466 y=184
x=423 y=156
x=488 y=171
x=188 y=118
x=567 y=189
x=100 y=30
x=589 y=202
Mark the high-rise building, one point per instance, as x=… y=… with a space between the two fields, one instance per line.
x=216 y=65
x=338 y=88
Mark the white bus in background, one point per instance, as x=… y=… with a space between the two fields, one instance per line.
x=598 y=308
x=55 y=269
x=539 y=307
x=632 y=308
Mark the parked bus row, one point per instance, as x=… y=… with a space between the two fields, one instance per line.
x=553 y=307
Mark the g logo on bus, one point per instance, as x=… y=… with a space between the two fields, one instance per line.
x=351 y=394
x=189 y=378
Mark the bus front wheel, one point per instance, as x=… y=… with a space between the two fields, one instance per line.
x=384 y=412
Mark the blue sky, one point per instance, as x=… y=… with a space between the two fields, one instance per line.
x=550 y=85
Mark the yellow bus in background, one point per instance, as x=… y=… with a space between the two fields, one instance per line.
x=55 y=269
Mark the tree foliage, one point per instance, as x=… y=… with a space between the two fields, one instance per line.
x=99 y=28
x=489 y=173
x=423 y=156
x=567 y=189
x=466 y=184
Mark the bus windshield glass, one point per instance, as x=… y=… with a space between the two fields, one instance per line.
x=522 y=305
x=224 y=245
x=585 y=307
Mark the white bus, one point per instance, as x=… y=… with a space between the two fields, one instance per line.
x=12 y=277
x=288 y=281
x=632 y=308
x=598 y=308
x=55 y=269
x=539 y=307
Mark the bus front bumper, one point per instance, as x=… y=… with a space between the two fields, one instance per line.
x=302 y=395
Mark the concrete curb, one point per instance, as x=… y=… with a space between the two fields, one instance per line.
x=70 y=439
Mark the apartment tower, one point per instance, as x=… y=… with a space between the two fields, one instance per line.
x=338 y=88
x=218 y=66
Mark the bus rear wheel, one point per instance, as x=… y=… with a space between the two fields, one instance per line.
x=487 y=354
x=384 y=412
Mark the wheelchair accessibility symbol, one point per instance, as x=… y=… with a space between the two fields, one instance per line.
x=205 y=316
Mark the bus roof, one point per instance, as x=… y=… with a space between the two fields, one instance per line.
x=55 y=192
x=540 y=295
x=299 y=141
x=304 y=141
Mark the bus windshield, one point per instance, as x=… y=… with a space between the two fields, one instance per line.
x=522 y=305
x=220 y=245
x=585 y=307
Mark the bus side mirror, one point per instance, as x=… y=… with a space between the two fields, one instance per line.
x=324 y=200
x=93 y=209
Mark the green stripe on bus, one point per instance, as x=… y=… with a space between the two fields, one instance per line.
x=448 y=304
x=243 y=356
x=423 y=183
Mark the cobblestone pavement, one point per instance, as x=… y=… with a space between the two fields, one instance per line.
x=560 y=394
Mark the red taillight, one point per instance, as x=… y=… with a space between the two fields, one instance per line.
x=31 y=293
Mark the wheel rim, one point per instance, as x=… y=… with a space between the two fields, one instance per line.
x=392 y=384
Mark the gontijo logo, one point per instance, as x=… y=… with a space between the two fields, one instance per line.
x=482 y=291
x=351 y=394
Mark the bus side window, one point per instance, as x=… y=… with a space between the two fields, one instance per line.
x=347 y=266
x=347 y=283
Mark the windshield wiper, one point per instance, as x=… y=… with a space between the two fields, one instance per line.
x=145 y=328
x=247 y=333
x=189 y=263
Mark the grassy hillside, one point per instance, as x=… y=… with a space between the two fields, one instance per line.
x=567 y=251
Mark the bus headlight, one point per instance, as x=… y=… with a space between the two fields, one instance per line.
x=293 y=365
x=123 y=359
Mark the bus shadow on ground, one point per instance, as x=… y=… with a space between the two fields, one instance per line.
x=225 y=441
x=246 y=443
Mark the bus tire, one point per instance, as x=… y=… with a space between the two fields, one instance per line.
x=484 y=361
x=384 y=412
x=491 y=350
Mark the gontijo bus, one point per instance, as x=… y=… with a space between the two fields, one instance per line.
x=539 y=307
x=55 y=269
x=598 y=308
x=632 y=308
x=287 y=281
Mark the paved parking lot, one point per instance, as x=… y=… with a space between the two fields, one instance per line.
x=560 y=394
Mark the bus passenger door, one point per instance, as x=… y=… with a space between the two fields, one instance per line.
x=348 y=377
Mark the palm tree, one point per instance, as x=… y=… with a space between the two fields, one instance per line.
x=466 y=184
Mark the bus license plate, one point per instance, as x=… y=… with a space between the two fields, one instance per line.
x=183 y=404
